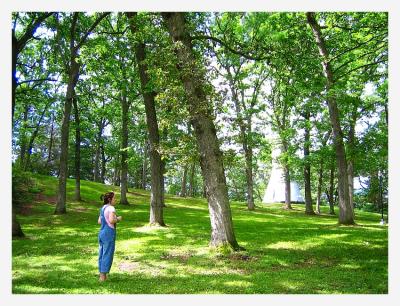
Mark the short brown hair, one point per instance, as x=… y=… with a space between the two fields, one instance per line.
x=107 y=197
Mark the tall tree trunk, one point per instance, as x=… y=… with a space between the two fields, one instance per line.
x=201 y=118
x=346 y=213
x=73 y=76
x=331 y=189
x=248 y=152
x=77 y=151
x=156 y=199
x=103 y=164
x=319 y=188
x=184 y=181
x=286 y=175
x=124 y=151
x=191 y=179
x=97 y=156
x=307 y=167
x=351 y=146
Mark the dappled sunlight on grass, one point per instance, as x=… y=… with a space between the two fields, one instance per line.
x=286 y=251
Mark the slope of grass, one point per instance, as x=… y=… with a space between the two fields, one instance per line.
x=286 y=251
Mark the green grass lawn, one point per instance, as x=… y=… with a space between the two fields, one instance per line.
x=286 y=251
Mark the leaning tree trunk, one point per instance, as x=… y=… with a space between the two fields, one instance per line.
x=156 y=198
x=307 y=168
x=346 y=213
x=201 y=118
x=77 y=196
x=124 y=151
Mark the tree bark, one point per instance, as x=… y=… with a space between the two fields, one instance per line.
x=124 y=151
x=201 y=118
x=97 y=152
x=191 y=179
x=73 y=76
x=331 y=189
x=184 y=181
x=346 y=213
x=319 y=188
x=77 y=151
x=248 y=151
x=351 y=146
x=103 y=164
x=286 y=175
x=156 y=198
x=307 y=167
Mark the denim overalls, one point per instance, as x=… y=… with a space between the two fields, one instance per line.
x=106 y=243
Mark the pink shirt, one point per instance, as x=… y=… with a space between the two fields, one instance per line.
x=107 y=211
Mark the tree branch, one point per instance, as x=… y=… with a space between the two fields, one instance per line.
x=84 y=37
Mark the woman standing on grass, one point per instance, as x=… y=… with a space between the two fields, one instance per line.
x=108 y=219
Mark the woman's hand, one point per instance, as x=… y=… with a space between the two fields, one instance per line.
x=119 y=218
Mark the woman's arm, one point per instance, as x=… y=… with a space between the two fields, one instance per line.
x=99 y=220
x=112 y=218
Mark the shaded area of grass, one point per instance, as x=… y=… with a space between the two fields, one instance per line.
x=286 y=251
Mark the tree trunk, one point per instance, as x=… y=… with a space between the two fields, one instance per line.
x=351 y=146
x=103 y=164
x=62 y=180
x=184 y=181
x=248 y=152
x=331 y=189
x=156 y=199
x=307 y=167
x=286 y=175
x=124 y=151
x=77 y=196
x=97 y=156
x=16 y=226
x=319 y=188
x=191 y=179
x=346 y=213
x=201 y=118
x=73 y=75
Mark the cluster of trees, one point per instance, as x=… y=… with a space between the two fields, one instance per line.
x=184 y=102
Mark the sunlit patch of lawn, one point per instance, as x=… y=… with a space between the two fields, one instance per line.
x=286 y=251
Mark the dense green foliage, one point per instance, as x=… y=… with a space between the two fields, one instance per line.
x=287 y=251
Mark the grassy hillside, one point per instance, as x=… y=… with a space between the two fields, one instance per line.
x=287 y=251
